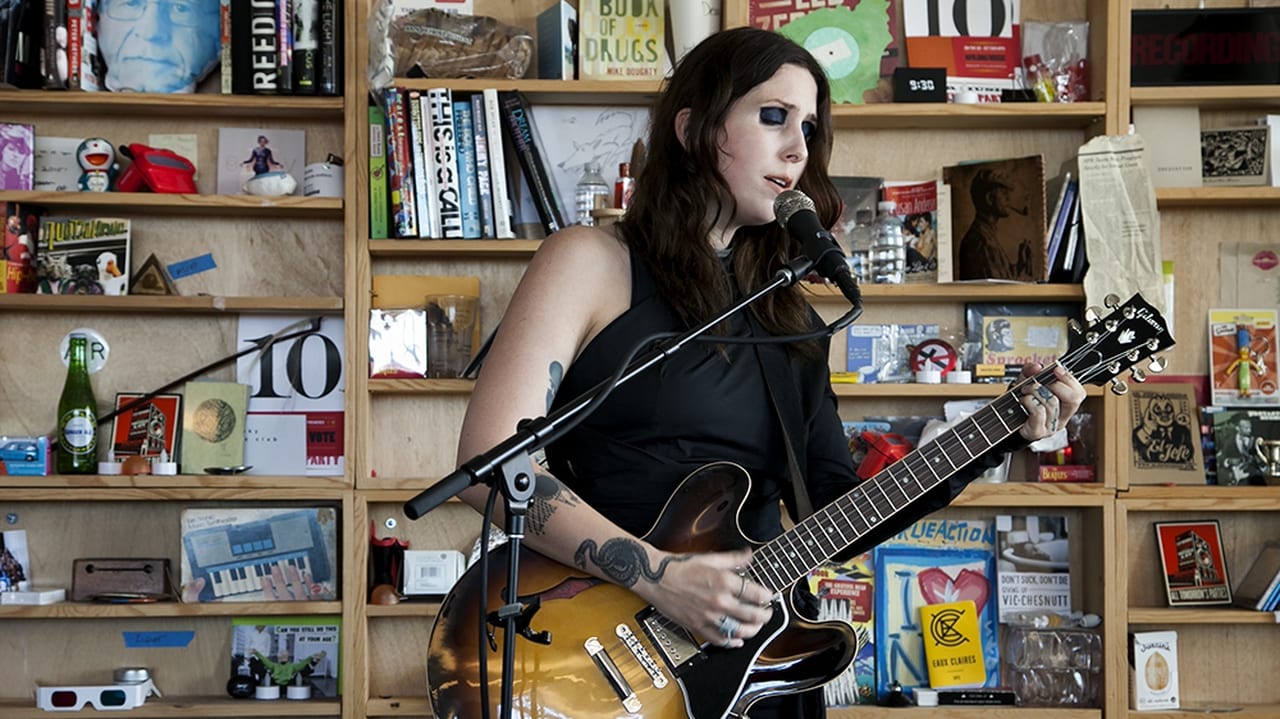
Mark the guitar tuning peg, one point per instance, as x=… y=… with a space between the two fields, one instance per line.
x=1129 y=312
x=1137 y=375
x=1119 y=388
x=1158 y=364
x=1074 y=326
x=1092 y=314
x=1111 y=324
x=1112 y=300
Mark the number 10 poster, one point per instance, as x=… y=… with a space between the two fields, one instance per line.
x=297 y=394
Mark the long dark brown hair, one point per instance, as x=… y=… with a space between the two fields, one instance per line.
x=678 y=192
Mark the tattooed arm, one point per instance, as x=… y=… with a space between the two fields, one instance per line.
x=577 y=283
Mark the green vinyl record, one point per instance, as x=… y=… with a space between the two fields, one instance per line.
x=848 y=44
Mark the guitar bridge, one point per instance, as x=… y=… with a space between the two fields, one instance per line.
x=609 y=669
x=674 y=643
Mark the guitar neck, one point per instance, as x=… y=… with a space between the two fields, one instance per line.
x=781 y=562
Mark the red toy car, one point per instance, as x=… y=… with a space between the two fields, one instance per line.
x=156 y=169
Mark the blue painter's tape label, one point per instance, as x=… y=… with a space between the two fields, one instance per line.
x=138 y=640
x=193 y=266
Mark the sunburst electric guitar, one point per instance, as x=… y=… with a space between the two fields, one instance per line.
x=591 y=649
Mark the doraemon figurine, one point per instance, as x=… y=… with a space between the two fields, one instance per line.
x=97 y=158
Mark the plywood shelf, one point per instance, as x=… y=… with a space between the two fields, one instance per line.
x=178 y=104
x=133 y=203
x=203 y=304
x=163 y=707
x=1207 y=97
x=93 y=610
x=1208 y=197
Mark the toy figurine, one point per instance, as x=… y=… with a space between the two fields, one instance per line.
x=97 y=158
x=1246 y=364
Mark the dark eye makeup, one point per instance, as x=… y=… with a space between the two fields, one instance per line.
x=778 y=116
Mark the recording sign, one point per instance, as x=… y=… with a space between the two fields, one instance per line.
x=1239 y=46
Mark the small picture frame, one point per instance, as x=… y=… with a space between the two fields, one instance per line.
x=1012 y=335
x=1193 y=564
x=148 y=427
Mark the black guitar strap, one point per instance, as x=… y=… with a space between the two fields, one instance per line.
x=780 y=383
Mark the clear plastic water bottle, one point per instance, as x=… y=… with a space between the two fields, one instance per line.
x=860 y=240
x=592 y=193
x=888 y=248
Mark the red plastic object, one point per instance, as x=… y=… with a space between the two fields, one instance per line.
x=156 y=169
x=882 y=451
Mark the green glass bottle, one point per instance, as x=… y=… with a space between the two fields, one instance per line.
x=77 y=414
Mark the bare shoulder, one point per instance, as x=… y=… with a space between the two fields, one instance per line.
x=589 y=250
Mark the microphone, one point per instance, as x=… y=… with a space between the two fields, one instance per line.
x=795 y=212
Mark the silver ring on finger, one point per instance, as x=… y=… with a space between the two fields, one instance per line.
x=742 y=588
x=728 y=626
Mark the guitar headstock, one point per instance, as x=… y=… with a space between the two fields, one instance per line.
x=1131 y=332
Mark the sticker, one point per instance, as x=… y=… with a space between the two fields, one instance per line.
x=138 y=640
x=193 y=266
x=99 y=350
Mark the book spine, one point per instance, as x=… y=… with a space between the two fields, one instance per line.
x=443 y=162
x=517 y=116
x=329 y=68
x=284 y=47
x=468 y=185
x=75 y=42
x=89 y=64
x=399 y=168
x=378 y=201
x=484 y=190
x=420 y=152
x=306 y=45
x=264 y=43
x=55 y=18
x=493 y=125
x=241 y=47
x=226 y=83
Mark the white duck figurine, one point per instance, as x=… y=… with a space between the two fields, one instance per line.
x=112 y=279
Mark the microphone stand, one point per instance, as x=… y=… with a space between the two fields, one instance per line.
x=511 y=458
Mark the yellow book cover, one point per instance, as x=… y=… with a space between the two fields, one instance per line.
x=953 y=644
x=621 y=40
x=213 y=425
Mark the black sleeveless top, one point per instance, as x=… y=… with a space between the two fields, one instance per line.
x=697 y=406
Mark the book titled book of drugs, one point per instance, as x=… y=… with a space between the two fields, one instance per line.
x=83 y=256
x=621 y=41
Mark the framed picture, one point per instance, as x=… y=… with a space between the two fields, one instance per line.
x=1012 y=335
x=998 y=219
x=1163 y=423
x=1191 y=558
x=1235 y=155
x=148 y=428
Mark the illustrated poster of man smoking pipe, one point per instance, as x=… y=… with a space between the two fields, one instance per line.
x=999 y=209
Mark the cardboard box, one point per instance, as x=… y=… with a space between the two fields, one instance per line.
x=25 y=456
x=1154 y=671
